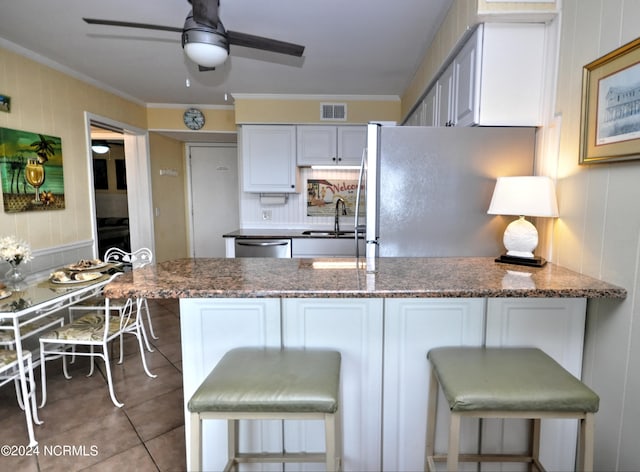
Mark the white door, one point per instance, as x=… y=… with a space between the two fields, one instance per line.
x=213 y=174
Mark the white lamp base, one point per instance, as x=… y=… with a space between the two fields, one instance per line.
x=520 y=238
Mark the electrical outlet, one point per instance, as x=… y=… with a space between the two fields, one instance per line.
x=266 y=215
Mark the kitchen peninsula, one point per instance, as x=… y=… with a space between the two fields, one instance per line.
x=383 y=323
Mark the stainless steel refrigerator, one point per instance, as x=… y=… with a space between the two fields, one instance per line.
x=427 y=190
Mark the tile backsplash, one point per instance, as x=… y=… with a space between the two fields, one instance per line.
x=292 y=214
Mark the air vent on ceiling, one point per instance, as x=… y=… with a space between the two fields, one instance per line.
x=333 y=111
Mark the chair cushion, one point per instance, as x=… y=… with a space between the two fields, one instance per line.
x=89 y=327
x=8 y=357
x=508 y=379
x=271 y=380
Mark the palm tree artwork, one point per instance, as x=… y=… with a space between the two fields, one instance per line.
x=43 y=148
x=30 y=164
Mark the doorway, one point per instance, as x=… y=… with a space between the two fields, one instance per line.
x=110 y=190
x=134 y=174
x=213 y=183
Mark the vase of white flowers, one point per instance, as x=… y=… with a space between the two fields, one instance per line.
x=15 y=252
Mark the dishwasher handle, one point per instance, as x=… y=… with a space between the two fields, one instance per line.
x=259 y=247
x=263 y=244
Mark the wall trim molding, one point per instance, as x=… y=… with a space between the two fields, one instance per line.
x=49 y=259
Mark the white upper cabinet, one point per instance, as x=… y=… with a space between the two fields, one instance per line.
x=496 y=79
x=331 y=145
x=445 y=91
x=269 y=158
x=429 y=109
x=466 y=74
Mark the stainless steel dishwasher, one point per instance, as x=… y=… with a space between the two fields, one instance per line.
x=263 y=247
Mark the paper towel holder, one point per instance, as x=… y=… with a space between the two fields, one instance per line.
x=274 y=198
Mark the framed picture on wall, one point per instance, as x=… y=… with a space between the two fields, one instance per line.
x=31 y=173
x=610 y=124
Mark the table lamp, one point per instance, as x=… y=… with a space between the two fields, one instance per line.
x=523 y=196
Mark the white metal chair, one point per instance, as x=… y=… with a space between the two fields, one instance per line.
x=128 y=260
x=29 y=328
x=9 y=371
x=94 y=330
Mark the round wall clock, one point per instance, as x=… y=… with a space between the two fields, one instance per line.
x=193 y=118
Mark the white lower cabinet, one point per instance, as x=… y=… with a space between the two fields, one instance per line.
x=555 y=325
x=412 y=327
x=326 y=247
x=209 y=328
x=354 y=327
x=384 y=380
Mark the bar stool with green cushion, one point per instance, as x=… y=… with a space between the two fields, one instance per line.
x=506 y=383
x=268 y=384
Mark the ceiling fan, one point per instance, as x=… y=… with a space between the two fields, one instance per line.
x=205 y=40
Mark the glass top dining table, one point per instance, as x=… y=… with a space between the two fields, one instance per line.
x=30 y=302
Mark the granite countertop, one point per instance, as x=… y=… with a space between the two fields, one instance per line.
x=465 y=277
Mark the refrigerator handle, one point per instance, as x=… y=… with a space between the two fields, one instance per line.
x=356 y=227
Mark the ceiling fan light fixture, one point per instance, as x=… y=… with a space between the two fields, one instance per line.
x=205 y=47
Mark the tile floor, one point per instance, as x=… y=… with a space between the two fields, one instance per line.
x=85 y=431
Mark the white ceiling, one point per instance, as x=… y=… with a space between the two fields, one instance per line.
x=353 y=47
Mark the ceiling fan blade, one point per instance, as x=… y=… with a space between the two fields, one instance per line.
x=127 y=24
x=205 y=12
x=266 y=44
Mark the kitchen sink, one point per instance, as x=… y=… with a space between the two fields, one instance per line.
x=334 y=234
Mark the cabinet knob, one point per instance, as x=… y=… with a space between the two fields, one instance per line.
x=333 y=159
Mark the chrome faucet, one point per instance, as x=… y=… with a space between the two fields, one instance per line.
x=339 y=203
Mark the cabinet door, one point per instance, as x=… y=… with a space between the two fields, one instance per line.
x=555 y=325
x=351 y=143
x=353 y=327
x=467 y=88
x=446 y=93
x=514 y=60
x=412 y=328
x=317 y=145
x=269 y=158
x=326 y=247
x=209 y=328
x=430 y=108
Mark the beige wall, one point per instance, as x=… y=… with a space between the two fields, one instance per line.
x=46 y=101
x=275 y=109
x=598 y=232
x=216 y=118
x=287 y=109
x=169 y=197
